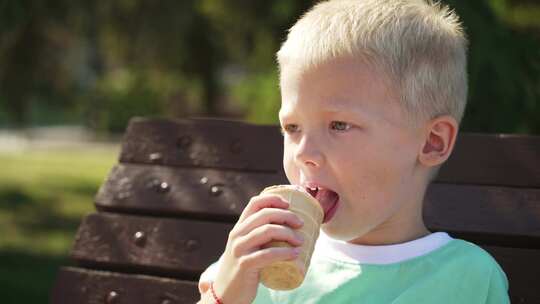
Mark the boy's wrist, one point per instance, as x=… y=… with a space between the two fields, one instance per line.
x=209 y=297
x=217 y=299
x=206 y=298
x=215 y=295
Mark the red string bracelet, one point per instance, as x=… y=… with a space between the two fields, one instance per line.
x=218 y=300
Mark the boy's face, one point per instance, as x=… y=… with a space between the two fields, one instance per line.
x=345 y=131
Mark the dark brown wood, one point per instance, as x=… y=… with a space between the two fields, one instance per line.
x=158 y=246
x=504 y=160
x=203 y=143
x=522 y=269
x=176 y=248
x=82 y=286
x=167 y=207
x=486 y=214
x=189 y=192
x=171 y=247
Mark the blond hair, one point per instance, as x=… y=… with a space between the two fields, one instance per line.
x=420 y=45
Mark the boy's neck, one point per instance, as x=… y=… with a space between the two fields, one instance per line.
x=382 y=237
x=406 y=225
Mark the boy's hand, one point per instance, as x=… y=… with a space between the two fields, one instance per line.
x=264 y=219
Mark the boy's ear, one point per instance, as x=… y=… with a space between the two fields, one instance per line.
x=439 y=140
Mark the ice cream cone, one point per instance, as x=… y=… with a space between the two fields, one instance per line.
x=286 y=275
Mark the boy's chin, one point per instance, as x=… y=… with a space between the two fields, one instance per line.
x=331 y=230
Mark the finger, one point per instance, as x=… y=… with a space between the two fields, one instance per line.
x=259 y=202
x=262 y=235
x=269 y=216
x=264 y=257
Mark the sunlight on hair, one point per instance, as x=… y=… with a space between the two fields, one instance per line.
x=419 y=45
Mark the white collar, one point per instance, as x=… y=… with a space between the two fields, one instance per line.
x=379 y=255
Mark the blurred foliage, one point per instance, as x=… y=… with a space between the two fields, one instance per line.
x=504 y=69
x=101 y=62
x=44 y=193
x=259 y=95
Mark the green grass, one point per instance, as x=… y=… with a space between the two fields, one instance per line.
x=43 y=197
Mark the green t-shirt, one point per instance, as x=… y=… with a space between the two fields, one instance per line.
x=454 y=272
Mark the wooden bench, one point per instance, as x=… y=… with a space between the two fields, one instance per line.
x=164 y=213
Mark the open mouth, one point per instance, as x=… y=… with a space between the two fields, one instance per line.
x=328 y=200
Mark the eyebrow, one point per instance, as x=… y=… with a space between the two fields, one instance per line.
x=332 y=109
x=338 y=109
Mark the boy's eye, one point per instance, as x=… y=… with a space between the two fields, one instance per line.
x=340 y=126
x=290 y=128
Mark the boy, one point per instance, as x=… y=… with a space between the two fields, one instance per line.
x=372 y=95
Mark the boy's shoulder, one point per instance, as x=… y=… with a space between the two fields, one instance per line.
x=471 y=259
x=462 y=251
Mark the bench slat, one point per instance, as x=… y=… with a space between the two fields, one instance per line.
x=486 y=210
x=194 y=193
x=505 y=160
x=522 y=269
x=107 y=241
x=81 y=286
x=202 y=143
x=490 y=159
x=485 y=213
x=177 y=248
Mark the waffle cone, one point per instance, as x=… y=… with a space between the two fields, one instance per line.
x=286 y=275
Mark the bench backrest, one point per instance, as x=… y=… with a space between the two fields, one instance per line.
x=165 y=211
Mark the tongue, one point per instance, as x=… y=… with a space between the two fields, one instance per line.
x=327 y=199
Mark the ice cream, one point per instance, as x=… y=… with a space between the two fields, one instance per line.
x=286 y=275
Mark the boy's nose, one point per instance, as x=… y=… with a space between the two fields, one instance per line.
x=308 y=153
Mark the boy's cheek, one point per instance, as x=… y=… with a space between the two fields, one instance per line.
x=290 y=170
